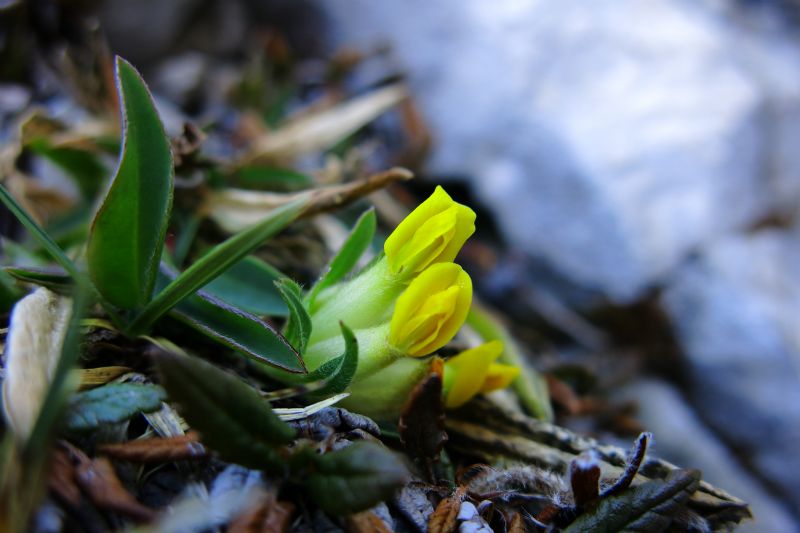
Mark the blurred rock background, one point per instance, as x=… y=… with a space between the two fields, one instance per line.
x=641 y=160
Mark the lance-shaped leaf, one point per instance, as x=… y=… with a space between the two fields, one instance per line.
x=650 y=506
x=298 y=327
x=230 y=416
x=216 y=261
x=127 y=234
x=245 y=333
x=349 y=254
x=111 y=404
x=55 y=279
x=338 y=372
x=355 y=478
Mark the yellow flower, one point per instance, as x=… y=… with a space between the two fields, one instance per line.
x=433 y=233
x=429 y=312
x=474 y=371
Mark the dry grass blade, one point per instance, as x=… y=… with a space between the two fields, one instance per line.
x=179 y=448
x=99 y=481
x=236 y=209
x=443 y=519
x=366 y=522
x=94 y=377
x=322 y=130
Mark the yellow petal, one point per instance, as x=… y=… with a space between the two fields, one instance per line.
x=429 y=312
x=464 y=374
x=434 y=232
x=499 y=376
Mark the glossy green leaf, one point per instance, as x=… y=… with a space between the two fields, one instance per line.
x=355 y=478
x=215 y=262
x=250 y=285
x=337 y=373
x=345 y=260
x=649 y=507
x=127 y=234
x=231 y=416
x=111 y=404
x=237 y=329
x=298 y=327
x=54 y=279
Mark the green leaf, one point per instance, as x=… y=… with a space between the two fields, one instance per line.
x=82 y=166
x=250 y=285
x=235 y=328
x=127 y=234
x=649 y=507
x=298 y=327
x=110 y=404
x=39 y=234
x=272 y=178
x=338 y=372
x=355 y=478
x=9 y=292
x=352 y=250
x=215 y=262
x=231 y=417
x=54 y=279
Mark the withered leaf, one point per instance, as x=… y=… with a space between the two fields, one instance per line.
x=355 y=478
x=649 y=507
x=99 y=481
x=634 y=461
x=93 y=377
x=421 y=424
x=178 y=448
x=443 y=519
x=62 y=481
x=268 y=516
x=230 y=415
x=366 y=522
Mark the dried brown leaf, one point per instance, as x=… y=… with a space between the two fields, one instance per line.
x=94 y=377
x=366 y=522
x=99 y=481
x=421 y=423
x=269 y=516
x=443 y=519
x=179 y=448
x=63 y=481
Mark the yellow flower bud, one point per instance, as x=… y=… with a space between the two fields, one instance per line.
x=474 y=371
x=433 y=233
x=429 y=312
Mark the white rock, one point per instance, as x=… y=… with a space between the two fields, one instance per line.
x=610 y=140
x=736 y=311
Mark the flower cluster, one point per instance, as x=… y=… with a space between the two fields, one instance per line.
x=405 y=306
